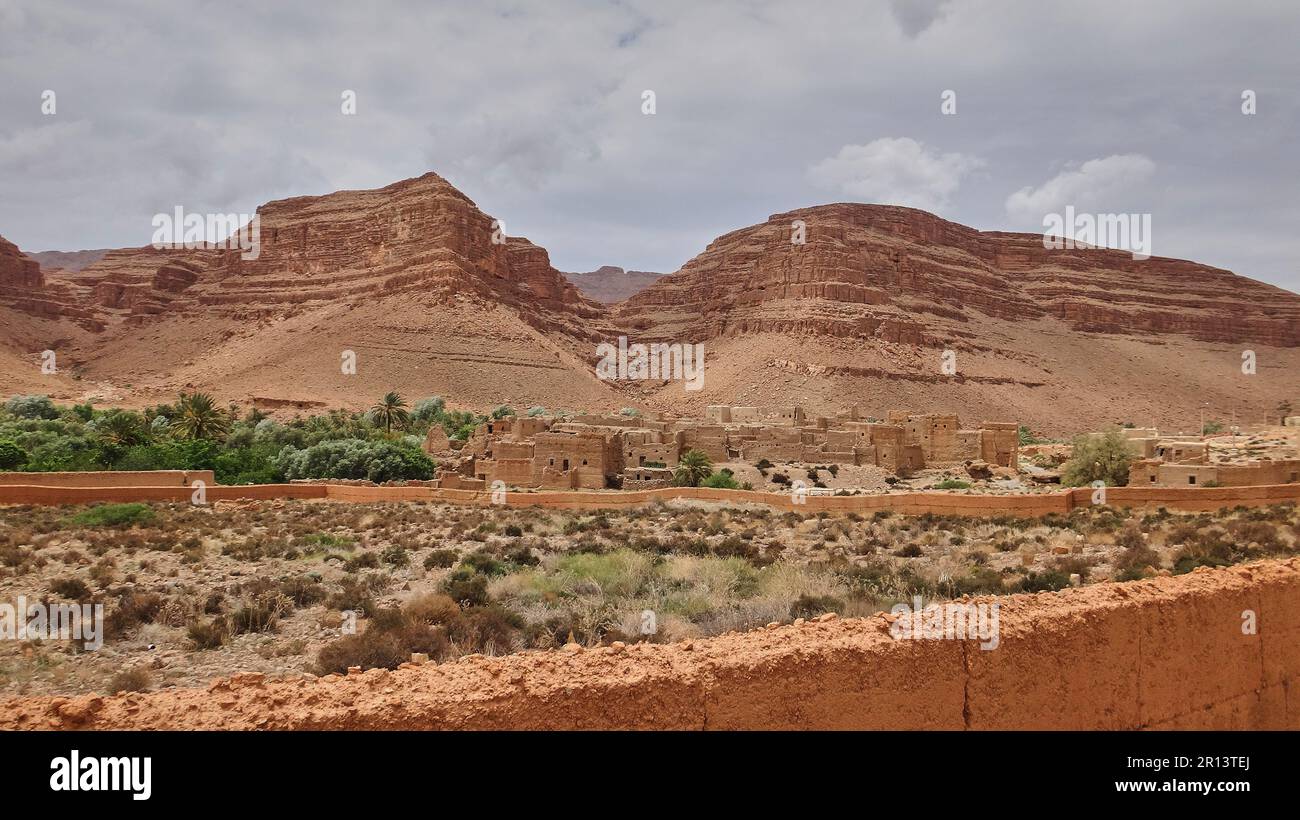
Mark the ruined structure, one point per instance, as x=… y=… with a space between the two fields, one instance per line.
x=640 y=451
x=1190 y=461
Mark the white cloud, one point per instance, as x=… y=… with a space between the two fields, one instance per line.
x=1086 y=188
x=895 y=171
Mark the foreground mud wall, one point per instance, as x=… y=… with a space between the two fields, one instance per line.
x=1168 y=653
x=937 y=503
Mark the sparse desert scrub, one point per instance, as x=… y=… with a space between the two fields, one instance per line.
x=263 y=586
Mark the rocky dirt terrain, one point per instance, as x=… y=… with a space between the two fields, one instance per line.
x=191 y=594
x=409 y=277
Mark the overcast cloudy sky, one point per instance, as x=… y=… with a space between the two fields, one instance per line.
x=534 y=110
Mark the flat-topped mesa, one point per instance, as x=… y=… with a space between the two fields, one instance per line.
x=419 y=234
x=903 y=275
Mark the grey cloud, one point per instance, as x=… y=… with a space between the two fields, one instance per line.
x=534 y=111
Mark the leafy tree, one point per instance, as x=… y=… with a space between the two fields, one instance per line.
x=197 y=417
x=11 y=455
x=32 y=407
x=376 y=461
x=430 y=409
x=390 y=410
x=502 y=411
x=1104 y=457
x=693 y=467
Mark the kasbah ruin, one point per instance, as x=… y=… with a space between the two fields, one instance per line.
x=637 y=452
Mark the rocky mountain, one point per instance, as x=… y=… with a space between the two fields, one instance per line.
x=609 y=284
x=411 y=281
x=866 y=306
x=72 y=261
x=881 y=306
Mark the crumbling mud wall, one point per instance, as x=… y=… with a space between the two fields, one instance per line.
x=111 y=478
x=937 y=503
x=1166 y=653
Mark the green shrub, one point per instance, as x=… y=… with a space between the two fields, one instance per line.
x=32 y=407
x=810 y=606
x=387 y=642
x=12 y=456
x=440 y=558
x=1103 y=457
x=1046 y=581
x=466 y=589
x=952 y=484
x=723 y=480
x=114 y=515
x=74 y=589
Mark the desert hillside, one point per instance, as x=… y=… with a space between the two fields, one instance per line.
x=864 y=309
x=411 y=278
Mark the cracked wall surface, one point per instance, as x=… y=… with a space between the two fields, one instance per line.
x=1165 y=653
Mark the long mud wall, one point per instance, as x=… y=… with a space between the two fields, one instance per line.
x=938 y=503
x=111 y=478
x=1167 y=653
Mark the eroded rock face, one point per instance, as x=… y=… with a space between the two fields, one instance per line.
x=902 y=275
x=16 y=270
x=23 y=287
x=416 y=235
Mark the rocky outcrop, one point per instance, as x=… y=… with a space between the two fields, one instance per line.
x=17 y=272
x=23 y=287
x=902 y=275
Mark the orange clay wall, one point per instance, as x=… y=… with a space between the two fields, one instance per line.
x=123 y=478
x=937 y=503
x=1166 y=653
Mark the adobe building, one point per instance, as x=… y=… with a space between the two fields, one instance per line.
x=610 y=451
x=1188 y=461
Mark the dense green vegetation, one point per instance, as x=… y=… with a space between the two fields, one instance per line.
x=1104 y=457
x=196 y=433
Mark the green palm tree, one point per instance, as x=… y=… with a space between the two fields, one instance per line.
x=197 y=417
x=693 y=467
x=122 y=428
x=390 y=410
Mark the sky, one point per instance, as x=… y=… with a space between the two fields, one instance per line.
x=991 y=113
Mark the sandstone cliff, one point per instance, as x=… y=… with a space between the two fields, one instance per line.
x=904 y=275
x=411 y=279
